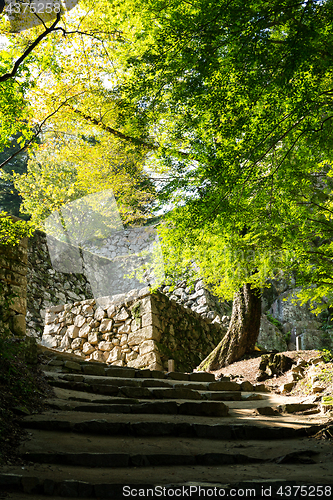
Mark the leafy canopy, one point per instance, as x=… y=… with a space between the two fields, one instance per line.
x=240 y=100
x=230 y=106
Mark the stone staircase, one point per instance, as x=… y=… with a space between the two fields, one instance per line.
x=114 y=432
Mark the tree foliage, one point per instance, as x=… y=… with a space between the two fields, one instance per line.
x=71 y=105
x=241 y=99
x=10 y=200
x=228 y=104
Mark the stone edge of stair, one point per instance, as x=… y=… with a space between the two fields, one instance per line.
x=184 y=429
x=83 y=489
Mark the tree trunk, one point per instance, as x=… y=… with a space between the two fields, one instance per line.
x=242 y=333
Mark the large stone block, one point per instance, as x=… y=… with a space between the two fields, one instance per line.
x=93 y=338
x=144 y=292
x=85 y=331
x=149 y=305
x=115 y=355
x=122 y=315
x=146 y=333
x=79 y=321
x=147 y=319
x=52 y=329
x=18 y=268
x=147 y=346
x=19 y=304
x=87 y=348
x=224 y=386
x=19 y=325
x=146 y=360
x=49 y=341
x=16 y=279
x=106 y=325
x=4 y=262
x=73 y=331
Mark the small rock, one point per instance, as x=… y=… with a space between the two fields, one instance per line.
x=122 y=315
x=84 y=331
x=246 y=386
x=77 y=343
x=268 y=411
x=115 y=355
x=105 y=346
x=260 y=388
x=287 y=387
x=111 y=311
x=317 y=387
x=88 y=310
x=93 y=338
x=252 y=397
x=316 y=361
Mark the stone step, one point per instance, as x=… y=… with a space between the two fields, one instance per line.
x=219 y=484
x=59 y=364
x=144 y=382
x=210 y=396
x=134 y=388
x=202 y=408
x=158 y=427
x=88 y=450
x=139 y=460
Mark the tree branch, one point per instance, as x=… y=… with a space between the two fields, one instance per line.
x=39 y=130
x=25 y=54
x=134 y=140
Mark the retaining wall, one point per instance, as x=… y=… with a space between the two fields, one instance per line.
x=47 y=287
x=13 y=288
x=139 y=330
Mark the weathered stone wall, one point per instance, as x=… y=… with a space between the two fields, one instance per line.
x=296 y=320
x=110 y=262
x=199 y=299
x=283 y=319
x=139 y=330
x=13 y=288
x=186 y=336
x=47 y=287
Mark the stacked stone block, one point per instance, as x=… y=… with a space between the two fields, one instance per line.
x=47 y=287
x=13 y=288
x=139 y=330
x=199 y=299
